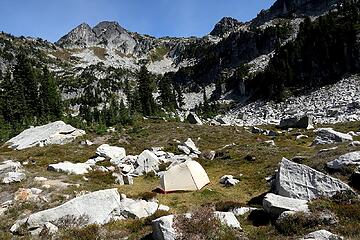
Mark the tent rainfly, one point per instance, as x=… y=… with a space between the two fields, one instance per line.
x=186 y=176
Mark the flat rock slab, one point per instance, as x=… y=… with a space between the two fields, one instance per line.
x=52 y=133
x=70 y=168
x=352 y=158
x=275 y=204
x=302 y=182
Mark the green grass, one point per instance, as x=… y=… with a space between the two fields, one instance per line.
x=163 y=134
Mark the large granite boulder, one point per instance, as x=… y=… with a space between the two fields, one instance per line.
x=302 y=182
x=52 y=133
x=275 y=204
x=114 y=153
x=297 y=122
x=70 y=168
x=94 y=208
x=352 y=158
x=330 y=136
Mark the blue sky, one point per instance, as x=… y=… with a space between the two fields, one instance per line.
x=51 y=19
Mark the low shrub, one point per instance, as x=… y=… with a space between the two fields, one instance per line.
x=297 y=223
x=203 y=225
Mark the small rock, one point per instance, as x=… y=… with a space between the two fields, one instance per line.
x=228 y=180
x=354 y=144
x=322 y=235
x=242 y=211
x=300 y=137
x=107 y=151
x=270 y=143
x=184 y=149
x=163 y=208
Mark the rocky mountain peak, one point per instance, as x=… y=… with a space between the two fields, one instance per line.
x=108 y=28
x=225 y=26
x=82 y=36
x=106 y=33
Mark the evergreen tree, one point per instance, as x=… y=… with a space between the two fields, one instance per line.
x=180 y=97
x=148 y=105
x=26 y=88
x=50 y=99
x=167 y=96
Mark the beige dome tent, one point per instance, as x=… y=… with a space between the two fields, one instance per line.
x=186 y=176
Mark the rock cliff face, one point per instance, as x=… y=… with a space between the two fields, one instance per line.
x=292 y=8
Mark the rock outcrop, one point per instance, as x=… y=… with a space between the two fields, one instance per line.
x=302 y=182
x=52 y=133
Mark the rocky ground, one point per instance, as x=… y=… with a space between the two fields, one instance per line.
x=108 y=180
x=330 y=104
